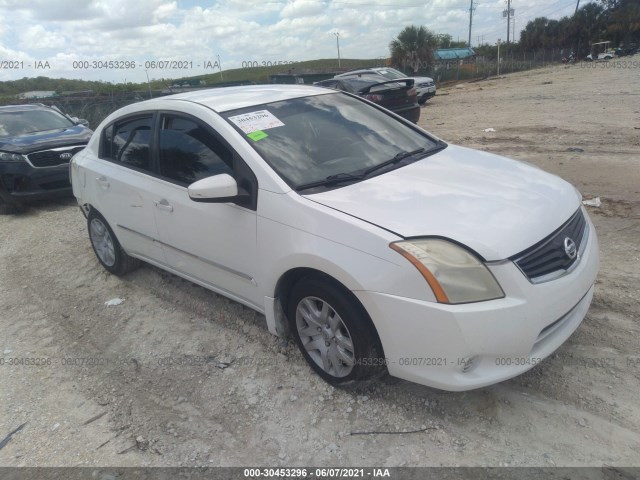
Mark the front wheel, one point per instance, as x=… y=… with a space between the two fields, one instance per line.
x=8 y=208
x=107 y=248
x=333 y=332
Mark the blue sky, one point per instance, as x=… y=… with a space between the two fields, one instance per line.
x=57 y=35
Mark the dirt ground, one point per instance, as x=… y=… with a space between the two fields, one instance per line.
x=178 y=376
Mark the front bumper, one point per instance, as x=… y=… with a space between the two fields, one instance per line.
x=426 y=92
x=461 y=347
x=21 y=183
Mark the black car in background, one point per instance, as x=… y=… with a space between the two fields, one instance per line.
x=36 y=145
x=398 y=95
x=425 y=86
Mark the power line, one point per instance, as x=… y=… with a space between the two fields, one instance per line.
x=543 y=13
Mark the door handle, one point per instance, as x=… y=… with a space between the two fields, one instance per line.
x=164 y=205
x=103 y=182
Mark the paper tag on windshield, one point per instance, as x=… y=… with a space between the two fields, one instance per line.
x=253 y=121
x=257 y=135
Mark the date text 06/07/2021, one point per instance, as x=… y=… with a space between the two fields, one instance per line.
x=328 y=472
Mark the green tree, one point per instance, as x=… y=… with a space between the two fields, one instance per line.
x=413 y=48
x=587 y=25
x=623 y=21
x=534 y=34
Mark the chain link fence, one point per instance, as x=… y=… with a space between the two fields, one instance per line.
x=484 y=66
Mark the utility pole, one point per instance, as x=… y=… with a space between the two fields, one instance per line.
x=470 y=21
x=577 y=5
x=220 y=68
x=148 y=83
x=508 y=19
x=337 y=34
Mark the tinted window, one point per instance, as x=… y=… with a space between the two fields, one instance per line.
x=189 y=153
x=391 y=74
x=328 y=84
x=128 y=142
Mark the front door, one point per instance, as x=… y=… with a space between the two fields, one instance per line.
x=213 y=243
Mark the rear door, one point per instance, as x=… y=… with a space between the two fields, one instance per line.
x=123 y=182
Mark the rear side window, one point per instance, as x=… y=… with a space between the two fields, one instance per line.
x=127 y=142
x=188 y=152
x=329 y=84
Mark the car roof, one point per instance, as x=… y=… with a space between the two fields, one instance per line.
x=230 y=98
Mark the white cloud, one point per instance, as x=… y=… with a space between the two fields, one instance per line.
x=38 y=38
x=302 y=8
x=52 y=10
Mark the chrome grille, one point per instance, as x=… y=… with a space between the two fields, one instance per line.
x=548 y=258
x=51 y=158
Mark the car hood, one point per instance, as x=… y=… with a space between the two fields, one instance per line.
x=32 y=142
x=496 y=206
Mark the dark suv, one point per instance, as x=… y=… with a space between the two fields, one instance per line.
x=36 y=145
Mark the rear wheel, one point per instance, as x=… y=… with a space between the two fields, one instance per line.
x=333 y=332
x=107 y=248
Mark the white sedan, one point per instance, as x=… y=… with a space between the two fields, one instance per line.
x=376 y=245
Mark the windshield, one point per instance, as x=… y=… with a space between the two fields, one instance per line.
x=391 y=73
x=23 y=122
x=309 y=139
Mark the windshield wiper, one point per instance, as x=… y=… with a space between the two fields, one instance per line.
x=400 y=156
x=350 y=177
x=331 y=180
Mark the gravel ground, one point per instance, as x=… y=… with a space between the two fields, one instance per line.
x=179 y=376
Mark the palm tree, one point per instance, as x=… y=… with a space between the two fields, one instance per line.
x=413 y=48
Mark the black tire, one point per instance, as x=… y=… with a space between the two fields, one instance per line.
x=104 y=240
x=365 y=357
x=423 y=99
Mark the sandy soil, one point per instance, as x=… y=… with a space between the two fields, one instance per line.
x=178 y=376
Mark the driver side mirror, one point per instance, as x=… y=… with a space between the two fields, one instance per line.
x=216 y=189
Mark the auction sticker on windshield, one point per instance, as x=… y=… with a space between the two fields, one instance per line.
x=253 y=121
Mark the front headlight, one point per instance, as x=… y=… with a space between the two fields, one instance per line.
x=454 y=274
x=10 y=157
